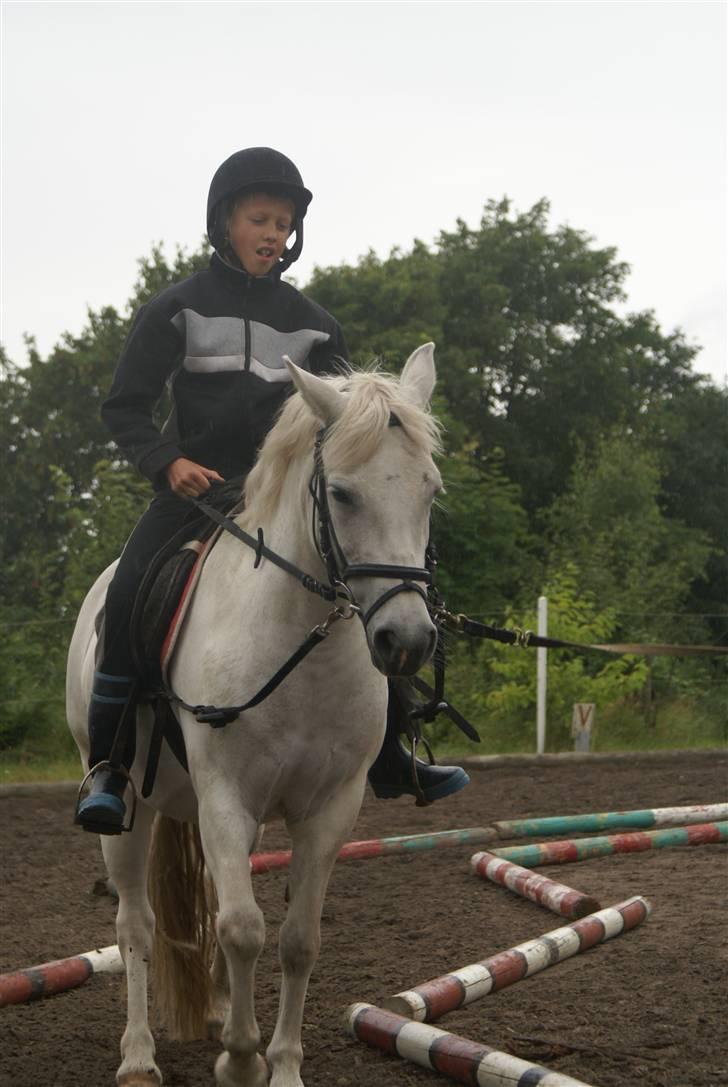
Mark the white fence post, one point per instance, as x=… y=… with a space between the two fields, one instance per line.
x=541 y=677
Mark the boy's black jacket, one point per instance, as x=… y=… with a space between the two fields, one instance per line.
x=219 y=336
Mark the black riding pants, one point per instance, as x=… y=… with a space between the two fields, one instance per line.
x=165 y=516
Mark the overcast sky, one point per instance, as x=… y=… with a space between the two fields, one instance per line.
x=401 y=116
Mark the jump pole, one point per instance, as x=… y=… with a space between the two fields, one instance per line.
x=556 y=897
x=48 y=978
x=581 y=849
x=434 y=998
x=450 y=1054
x=380 y=847
x=641 y=819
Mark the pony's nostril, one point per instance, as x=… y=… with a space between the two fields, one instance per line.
x=385 y=645
x=398 y=656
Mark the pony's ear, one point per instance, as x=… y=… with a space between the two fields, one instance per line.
x=326 y=402
x=418 y=377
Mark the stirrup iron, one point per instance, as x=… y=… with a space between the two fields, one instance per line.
x=106 y=765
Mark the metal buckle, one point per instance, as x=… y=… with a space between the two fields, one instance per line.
x=349 y=608
x=454 y=622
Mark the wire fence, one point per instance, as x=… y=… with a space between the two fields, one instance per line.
x=35 y=622
x=60 y=700
x=473 y=615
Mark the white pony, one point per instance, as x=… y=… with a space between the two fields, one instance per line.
x=303 y=753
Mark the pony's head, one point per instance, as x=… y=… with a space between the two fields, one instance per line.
x=379 y=482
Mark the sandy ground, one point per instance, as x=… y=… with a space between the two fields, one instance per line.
x=647 y=1008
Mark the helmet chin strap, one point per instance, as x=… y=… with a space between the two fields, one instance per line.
x=292 y=254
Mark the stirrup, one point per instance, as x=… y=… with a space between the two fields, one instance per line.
x=414 y=777
x=108 y=828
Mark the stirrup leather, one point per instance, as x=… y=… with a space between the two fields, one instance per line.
x=421 y=800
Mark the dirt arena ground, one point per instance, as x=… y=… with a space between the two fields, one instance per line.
x=645 y=1009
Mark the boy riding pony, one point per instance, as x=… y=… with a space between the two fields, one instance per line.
x=218 y=339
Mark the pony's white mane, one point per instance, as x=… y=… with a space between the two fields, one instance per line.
x=371 y=397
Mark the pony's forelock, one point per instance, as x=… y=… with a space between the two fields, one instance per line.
x=372 y=397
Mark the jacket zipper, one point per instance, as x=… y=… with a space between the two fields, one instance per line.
x=246 y=329
x=247 y=344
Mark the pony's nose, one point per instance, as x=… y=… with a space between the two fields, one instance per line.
x=397 y=656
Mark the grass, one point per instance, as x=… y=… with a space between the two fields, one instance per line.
x=17 y=768
x=47 y=753
x=677 y=723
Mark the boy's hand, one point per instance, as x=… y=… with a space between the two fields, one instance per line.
x=188 y=479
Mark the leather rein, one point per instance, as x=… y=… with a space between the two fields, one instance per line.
x=337 y=591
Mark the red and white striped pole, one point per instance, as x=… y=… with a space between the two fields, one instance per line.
x=433 y=998
x=35 y=982
x=582 y=849
x=380 y=847
x=451 y=1055
x=599 y=822
x=556 y=897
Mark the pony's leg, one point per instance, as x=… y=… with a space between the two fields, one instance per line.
x=126 y=862
x=316 y=843
x=228 y=833
x=220 y=997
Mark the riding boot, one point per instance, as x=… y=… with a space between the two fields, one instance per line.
x=103 y=810
x=393 y=772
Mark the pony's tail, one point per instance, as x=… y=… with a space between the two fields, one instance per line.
x=184 y=940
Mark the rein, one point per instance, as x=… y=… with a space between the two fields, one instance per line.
x=337 y=592
x=338 y=571
x=328 y=592
x=526 y=639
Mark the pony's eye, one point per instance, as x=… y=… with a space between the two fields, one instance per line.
x=341 y=496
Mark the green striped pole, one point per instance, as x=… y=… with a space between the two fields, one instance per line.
x=580 y=849
x=641 y=819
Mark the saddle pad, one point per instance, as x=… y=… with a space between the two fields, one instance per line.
x=201 y=549
x=162 y=611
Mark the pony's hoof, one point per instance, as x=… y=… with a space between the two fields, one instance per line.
x=227 y=1074
x=140 y=1079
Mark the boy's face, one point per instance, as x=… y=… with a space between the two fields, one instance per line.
x=259 y=229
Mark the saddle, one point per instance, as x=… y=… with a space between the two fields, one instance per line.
x=161 y=604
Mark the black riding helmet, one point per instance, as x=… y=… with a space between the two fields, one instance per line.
x=257 y=169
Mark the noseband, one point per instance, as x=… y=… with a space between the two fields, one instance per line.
x=338 y=568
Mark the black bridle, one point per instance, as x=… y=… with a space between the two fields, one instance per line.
x=338 y=568
x=336 y=592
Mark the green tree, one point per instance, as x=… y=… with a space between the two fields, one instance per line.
x=532 y=356
x=481 y=532
x=386 y=307
x=630 y=556
x=494 y=685
x=689 y=437
x=577 y=441
x=50 y=413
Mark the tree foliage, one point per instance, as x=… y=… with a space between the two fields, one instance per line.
x=627 y=551
x=581 y=450
x=532 y=356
